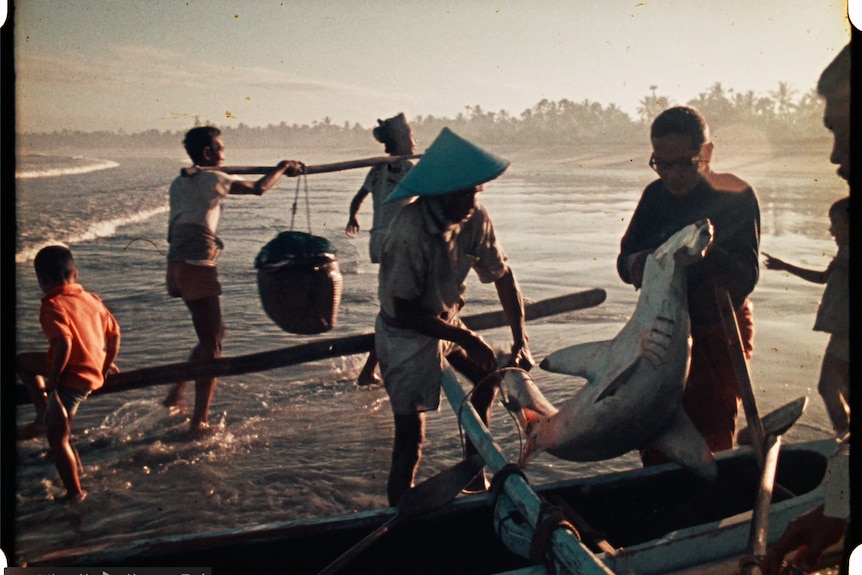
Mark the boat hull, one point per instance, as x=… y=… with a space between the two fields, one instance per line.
x=664 y=518
x=659 y=519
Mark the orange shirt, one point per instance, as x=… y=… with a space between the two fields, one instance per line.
x=71 y=312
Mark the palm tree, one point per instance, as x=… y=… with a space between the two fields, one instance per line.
x=651 y=106
x=744 y=104
x=783 y=96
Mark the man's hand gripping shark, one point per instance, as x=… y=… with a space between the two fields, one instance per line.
x=633 y=396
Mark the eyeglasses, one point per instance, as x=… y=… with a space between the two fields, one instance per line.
x=683 y=165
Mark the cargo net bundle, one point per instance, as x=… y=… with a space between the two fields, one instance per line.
x=299 y=280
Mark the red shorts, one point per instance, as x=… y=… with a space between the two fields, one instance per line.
x=192 y=282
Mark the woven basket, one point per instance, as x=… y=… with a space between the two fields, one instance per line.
x=299 y=282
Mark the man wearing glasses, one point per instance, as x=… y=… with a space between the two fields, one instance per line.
x=687 y=191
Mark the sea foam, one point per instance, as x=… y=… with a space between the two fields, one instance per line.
x=82 y=166
x=103 y=229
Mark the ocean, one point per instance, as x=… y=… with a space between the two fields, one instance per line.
x=305 y=441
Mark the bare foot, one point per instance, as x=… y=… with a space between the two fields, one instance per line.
x=201 y=430
x=175 y=397
x=179 y=409
x=74 y=498
x=175 y=404
x=368 y=379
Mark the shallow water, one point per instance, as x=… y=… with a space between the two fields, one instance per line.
x=305 y=441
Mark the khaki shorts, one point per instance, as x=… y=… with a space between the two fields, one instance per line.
x=411 y=365
x=192 y=282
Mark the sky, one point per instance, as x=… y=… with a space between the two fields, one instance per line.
x=131 y=66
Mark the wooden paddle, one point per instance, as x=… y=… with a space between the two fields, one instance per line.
x=740 y=368
x=777 y=421
x=758 y=534
x=766 y=449
x=428 y=495
x=318 y=169
x=315 y=350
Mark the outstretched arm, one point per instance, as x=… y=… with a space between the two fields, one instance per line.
x=513 y=306
x=264 y=184
x=352 y=223
x=813 y=276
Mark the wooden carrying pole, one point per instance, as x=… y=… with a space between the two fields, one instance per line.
x=318 y=169
x=316 y=350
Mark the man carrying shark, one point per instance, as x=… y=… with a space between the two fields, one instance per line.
x=431 y=246
x=687 y=191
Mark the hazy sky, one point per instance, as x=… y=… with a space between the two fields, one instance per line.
x=137 y=65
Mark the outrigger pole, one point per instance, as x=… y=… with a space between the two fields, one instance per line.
x=568 y=550
x=315 y=350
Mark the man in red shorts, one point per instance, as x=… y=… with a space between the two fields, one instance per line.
x=195 y=208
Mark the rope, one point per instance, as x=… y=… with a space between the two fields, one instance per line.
x=490 y=377
x=550 y=519
x=501 y=476
x=496 y=489
x=302 y=178
x=497 y=374
x=307 y=203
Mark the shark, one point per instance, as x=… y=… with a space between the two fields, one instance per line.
x=632 y=398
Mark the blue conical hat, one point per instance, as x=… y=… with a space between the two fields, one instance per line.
x=450 y=164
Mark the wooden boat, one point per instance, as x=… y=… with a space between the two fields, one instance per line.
x=641 y=521
x=662 y=519
x=656 y=520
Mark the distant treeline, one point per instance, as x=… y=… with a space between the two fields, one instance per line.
x=779 y=115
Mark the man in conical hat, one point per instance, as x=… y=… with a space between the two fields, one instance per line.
x=431 y=246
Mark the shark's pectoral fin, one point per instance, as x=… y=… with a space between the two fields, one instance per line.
x=619 y=380
x=683 y=443
x=580 y=359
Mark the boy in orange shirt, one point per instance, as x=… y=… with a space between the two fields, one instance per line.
x=83 y=342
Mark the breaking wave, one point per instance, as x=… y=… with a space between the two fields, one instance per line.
x=103 y=229
x=39 y=166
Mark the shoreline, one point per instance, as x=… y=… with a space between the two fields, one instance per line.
x=734 y=143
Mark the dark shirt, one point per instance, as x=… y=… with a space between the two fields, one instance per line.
x=732 y=262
